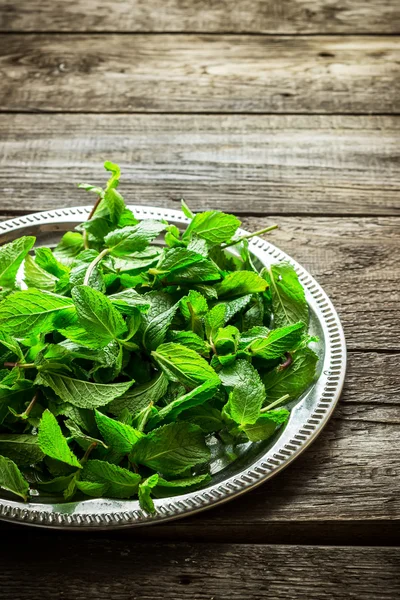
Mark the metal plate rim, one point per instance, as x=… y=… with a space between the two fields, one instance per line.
x=111 y=514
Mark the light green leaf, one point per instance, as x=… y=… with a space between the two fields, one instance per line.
x=45 y=259
x=186 y=210
x=97 y=314
x=120 y=482
x=277 y=342
x=118 y=436
x=69 y=247
x=194 y=308
x=189 y=339
x=52 y=442
x=198 y=396
x=180 y=265
x=183 y=364
x=215 y=319
x=293 y=380
x=171 y=449
x=158 y=319
x=11 y=478
x=240 y=283
x=248 y=393
x=145 y=489
x=129 y=301
x=140 y=396
x=31 y=311
x=226 y=340
x=82 y=394
x=22 y=448
x=262 y=429
x=133 y=239
x=11 y=257
x=288 y=299
x=92 y=489
x=213 y=226
x=36 y=277
x=11 y=344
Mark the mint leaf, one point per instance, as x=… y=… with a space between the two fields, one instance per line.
x=171 y=449
x=11 y=344
x=11 y=257
x=165 y=488
x=119 y=482
x=83 y=439
x=82 y=394
x=31 y=311
x=92 y=489
x=214 y=320
x=157 y=321
x=45 y=259
x=129 y=301
x=277 y=342
x=214 y=226
x=35 y=276
x=191 y=340
x=118 y=436
x=288 y=299
x=183 y=364
x=133 y=239
x=198 y=396
x=140 y=396
x=205 y=416
x=22 y=448
x=248 y=393
x=97 y=314
x=194 y=308
x=145 y=489
x=52 y=442
x=226 y=340
x=180 y=265
x=240 y=283
x=186 y=210
x=262 y=429
x=295 y=379
x=11 y=478
x=69 y=247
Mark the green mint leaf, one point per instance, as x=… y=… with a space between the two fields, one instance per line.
x=83 y=439
x=165 y=489
x=129 y=301
x=82 y=394
x=140 y=396
x=145 y=489
x=45 y=259
x=252 y=335
x=248 y=393
x=21 y=448
x=194 y=307
x=182 y=364
x=31 y=311
x=56 y=485
x=11 y=257
x=240 y=283
x=186 y=210
x=236 y=306
x=133 y=239
x=190 y=340
x=11 y=478
x=35 y=276
x=293 y=380
x=97 y=314
x=120 y=483
x=69 y=247
x=92 y=489
x=180 y=265
x=198 y=396
x=118 y=436
x=277 y=342
x=214 y=320
x=157 y=321
x=127 y=218
x=11 y=344
x=214 y=226
x=52 y=442
x=262 y=429
x=205 y=416
x=226 y=340
x=171 y=449
x=289 y=304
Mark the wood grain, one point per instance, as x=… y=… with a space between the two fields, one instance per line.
x=194 y=73
x=255 y=16
x=123 y=570
x=247 y=164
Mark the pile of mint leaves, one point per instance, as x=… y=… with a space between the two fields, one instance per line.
x=123 y=362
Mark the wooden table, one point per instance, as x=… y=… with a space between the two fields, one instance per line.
x=280 y=111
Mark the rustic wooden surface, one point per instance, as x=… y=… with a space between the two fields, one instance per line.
x=199 y=73
x=282 y=112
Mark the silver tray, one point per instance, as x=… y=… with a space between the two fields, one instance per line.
x=257 y=462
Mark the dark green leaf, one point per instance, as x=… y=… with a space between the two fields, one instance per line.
x=295 y=379
x=288 y=299
x=183 y=364
x=11 y=478
x=120 y=483
x=22 y=448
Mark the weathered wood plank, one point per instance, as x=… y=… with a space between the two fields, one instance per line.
x=256 y=16
x=194 y=73
x=247 y=164
x=357 y=263
x=86 y=569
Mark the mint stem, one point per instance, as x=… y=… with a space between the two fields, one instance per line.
x=249 y=236
x=279 y=401
x=85 y=233
x=32 y=403
x=87 y=453
x=92 y=265
x=11 y=365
